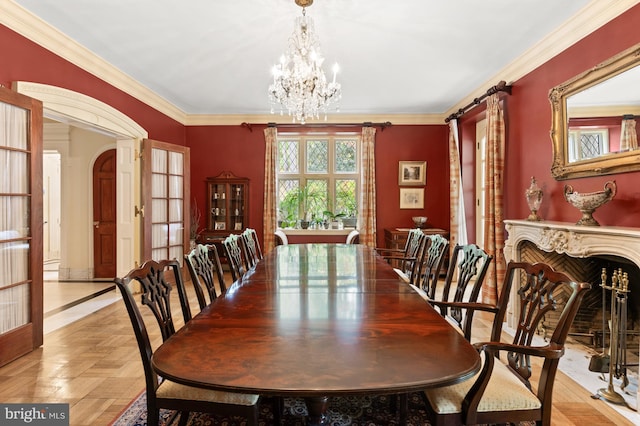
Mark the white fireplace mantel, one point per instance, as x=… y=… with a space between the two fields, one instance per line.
x=573 y=240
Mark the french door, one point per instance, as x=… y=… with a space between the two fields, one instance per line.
x=165 y=197
x=20 y=225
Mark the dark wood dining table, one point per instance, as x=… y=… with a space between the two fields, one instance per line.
x=318 y=321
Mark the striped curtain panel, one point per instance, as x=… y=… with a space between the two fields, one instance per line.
x=367 y=204
x=493 y=228
x=628 y=135
x=270 y=164
x=457 y=216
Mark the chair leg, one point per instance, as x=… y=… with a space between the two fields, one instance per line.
x=153 y=416
x=404 y=408
x=184 y=418
x=252 y=415
x=278 y=408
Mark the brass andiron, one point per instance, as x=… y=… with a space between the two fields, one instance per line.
x=618 y=334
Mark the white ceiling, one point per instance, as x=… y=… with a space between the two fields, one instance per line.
x=396 y=57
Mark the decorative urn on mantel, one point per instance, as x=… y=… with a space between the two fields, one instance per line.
x=533 y=195
x=588 y=202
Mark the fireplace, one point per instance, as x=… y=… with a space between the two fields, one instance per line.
x=581 y=251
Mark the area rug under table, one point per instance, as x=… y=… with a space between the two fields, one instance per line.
x=343 y=411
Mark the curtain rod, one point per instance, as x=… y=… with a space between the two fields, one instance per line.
x=320 y=125
x=500 y=87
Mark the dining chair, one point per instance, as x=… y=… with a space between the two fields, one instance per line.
x=467 y=270
x=410 y=264
x=433 y=261
x=401 y=259
x=253 y=253
x=161 y=392
x=502 y=391
x=281 y=238
x=233 y=252
x=203 y=263
x=353 y=237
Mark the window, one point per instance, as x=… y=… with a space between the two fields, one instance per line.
x=317 y=179
x=585 y=143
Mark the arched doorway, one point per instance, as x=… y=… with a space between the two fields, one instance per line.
x=74 y=108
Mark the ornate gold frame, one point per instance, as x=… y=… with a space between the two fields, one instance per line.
x=609 y=164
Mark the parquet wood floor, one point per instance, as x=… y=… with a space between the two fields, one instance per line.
x=94 y=365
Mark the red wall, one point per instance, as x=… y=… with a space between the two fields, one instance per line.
x=23 y=60
x=529 y=149
x=237 y=149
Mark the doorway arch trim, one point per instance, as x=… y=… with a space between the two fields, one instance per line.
x=80 y=110
x=72 y=107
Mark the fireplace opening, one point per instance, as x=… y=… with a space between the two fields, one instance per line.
x=587 y=328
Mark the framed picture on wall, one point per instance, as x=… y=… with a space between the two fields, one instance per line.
x=411 y=198
x=412 y=173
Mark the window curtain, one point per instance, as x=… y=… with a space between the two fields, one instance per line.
x=367 y=204
x=493 y=227
x=628 y=135
x=457 y=215
x=270 y=202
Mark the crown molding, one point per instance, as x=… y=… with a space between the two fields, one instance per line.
x=591 y=17
x=237 y=119
x=587 y=20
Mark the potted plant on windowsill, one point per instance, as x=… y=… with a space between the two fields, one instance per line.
x=296 y=205
x=335 y=219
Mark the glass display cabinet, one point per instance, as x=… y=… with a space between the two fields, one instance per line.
x=227 y=205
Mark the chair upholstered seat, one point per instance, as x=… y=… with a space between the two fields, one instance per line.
x=503 y=393
x=173 y=390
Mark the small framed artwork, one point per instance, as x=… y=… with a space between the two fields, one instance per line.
x=412 y=173
x=220 y=226
x=411 y=198
x=238 y=226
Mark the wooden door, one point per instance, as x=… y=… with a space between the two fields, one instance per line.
x=104 y=215
x=165 y=197
x=20 y=225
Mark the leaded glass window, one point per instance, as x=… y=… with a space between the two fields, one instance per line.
x=317 y=174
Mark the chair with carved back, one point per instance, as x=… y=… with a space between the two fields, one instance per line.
x=253 y=253
x=399 y=252
x=407 y=261
x=411 y=264
x=203 y=263
x=233 y=252
x=163 y=393
x=467 y=270
x=501 y=392
x=433 y=261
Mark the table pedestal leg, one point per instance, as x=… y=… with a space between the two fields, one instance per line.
x=317 y=408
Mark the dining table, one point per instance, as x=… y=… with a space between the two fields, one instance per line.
x=317 y=321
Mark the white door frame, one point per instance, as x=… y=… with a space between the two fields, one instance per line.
x=80 y=110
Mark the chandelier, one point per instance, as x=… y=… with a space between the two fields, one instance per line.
x=299 y=83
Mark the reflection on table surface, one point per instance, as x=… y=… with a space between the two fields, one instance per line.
x=318 y=320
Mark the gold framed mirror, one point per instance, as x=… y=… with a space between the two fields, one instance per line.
x=594 y=118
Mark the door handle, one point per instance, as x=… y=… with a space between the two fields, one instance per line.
x=96 y=224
